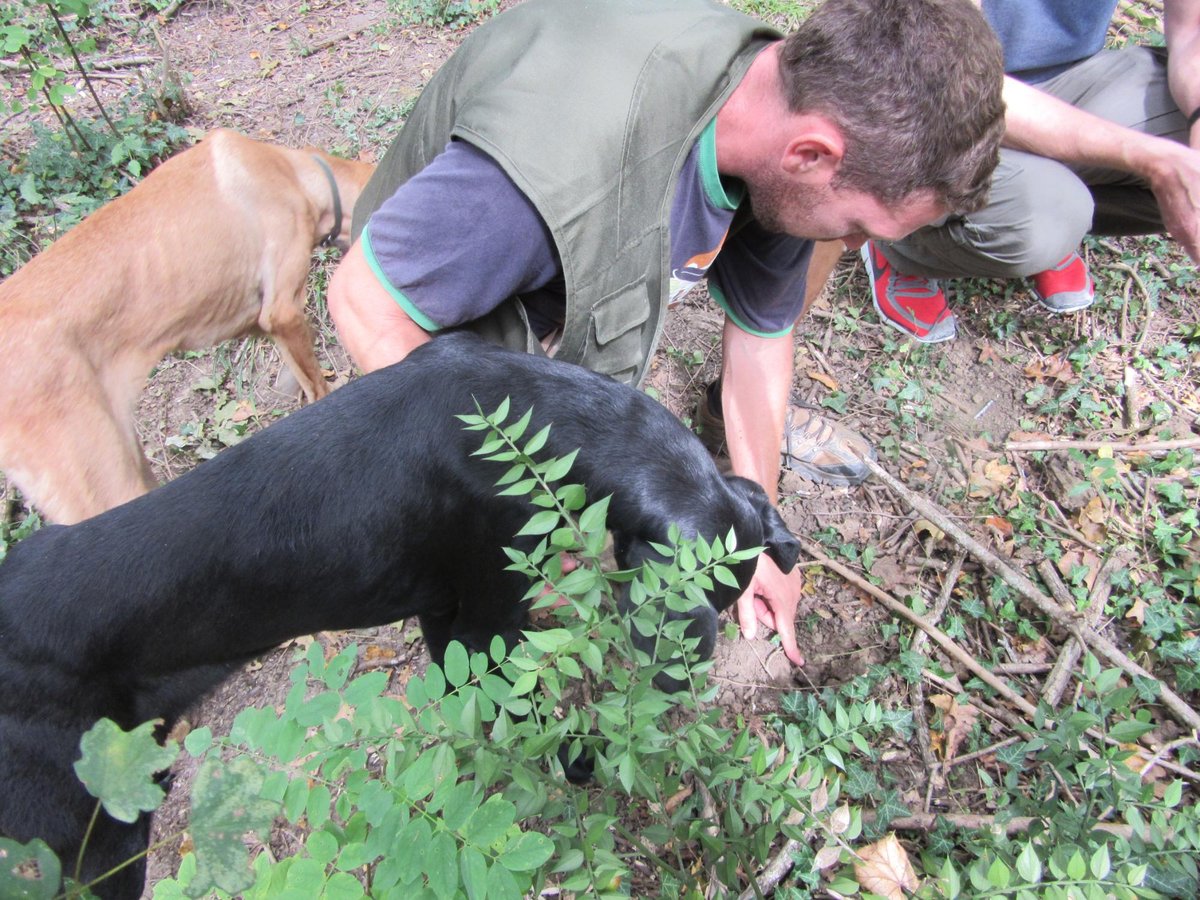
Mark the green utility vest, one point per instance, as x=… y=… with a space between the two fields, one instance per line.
x=591 y=107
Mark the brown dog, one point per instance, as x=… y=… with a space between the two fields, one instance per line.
x=215 y=243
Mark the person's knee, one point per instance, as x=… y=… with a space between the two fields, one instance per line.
x=1053 y=227
x=1035 y=219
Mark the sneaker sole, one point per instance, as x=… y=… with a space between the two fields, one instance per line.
x=1069 y=306
x=825 y=476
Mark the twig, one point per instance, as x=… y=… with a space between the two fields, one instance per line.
x=1060 y=676
x=329 y=42
x=166 y=15
x=978 y=754
x=1147 y=447
x=66 y=39
x=1030 y=591
x=123 y=62
x=778 y=867
x=916 y=691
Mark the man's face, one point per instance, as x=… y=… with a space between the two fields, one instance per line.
x=828 y=213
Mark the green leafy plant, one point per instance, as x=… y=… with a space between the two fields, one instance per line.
x=443 y=13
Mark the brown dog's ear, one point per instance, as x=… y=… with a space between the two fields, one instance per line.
x=778 y=541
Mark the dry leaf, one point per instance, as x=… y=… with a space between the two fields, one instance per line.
x=924 y=526
x=885 y=869
x=890 y=571
x=1026 y=436
x=1038 y=651
x=1137 y=612
x=988 y=354
x=957 y=721
x=1072 y=558
x=1000 y=525
x=989 y=477
x=828 y=856
x=998 y=472
x=1136 y=762
x=819 y=799
x=245 y=410
x=840 y=820
x=1050 y=368
x=824 y=379
x=1092 y=521
x=376 y=653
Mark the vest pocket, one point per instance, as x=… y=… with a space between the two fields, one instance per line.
x=616 y=343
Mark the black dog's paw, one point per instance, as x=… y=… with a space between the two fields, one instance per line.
x=581 y=770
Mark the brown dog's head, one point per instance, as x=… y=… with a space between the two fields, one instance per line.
x=346 y=178
x=744 y=508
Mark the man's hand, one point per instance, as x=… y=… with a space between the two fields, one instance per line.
x=772 y=599
x=1039 y=123
x=1175 y=181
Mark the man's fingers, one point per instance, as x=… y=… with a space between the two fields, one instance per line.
x=747 y=619
x=787 y=638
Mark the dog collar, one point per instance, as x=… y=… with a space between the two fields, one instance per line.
x=337 y=202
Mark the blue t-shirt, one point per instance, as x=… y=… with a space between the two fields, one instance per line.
x=459 y=238
x=1043 y=37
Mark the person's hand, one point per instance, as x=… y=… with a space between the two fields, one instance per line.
x=1175 y=182
x=772 y=599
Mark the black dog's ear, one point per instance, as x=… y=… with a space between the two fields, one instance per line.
x=779 y=542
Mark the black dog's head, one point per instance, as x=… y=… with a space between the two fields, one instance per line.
x=744 y=508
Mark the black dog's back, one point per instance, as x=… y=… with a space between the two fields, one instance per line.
x=177 y=557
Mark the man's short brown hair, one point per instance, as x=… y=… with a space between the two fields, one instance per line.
x=914 y=85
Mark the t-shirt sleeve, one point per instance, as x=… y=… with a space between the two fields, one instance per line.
x=759 y=277
x=458 y=239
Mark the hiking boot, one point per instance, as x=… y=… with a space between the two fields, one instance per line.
x=1066 y=288
x=913 y=304
x=814 y=447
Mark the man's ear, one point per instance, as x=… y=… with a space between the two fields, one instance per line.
x=815 y=149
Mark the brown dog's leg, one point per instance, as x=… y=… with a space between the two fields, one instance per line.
x=78 y=458
x=283 y=317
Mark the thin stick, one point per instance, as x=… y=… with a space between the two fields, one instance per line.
x=1146 y=447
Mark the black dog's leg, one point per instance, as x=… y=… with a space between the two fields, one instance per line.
x=438 y=631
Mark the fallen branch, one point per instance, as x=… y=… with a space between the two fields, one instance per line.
x=1071 y=621
x=1115 y=447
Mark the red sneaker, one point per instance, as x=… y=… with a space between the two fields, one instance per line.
x=913 y=304
x=1065 y=288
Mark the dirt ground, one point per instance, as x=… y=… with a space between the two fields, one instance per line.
x=339 y=75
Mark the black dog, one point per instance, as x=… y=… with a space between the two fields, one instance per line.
x=362 y=509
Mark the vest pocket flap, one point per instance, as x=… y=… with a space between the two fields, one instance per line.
x=621 y=311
